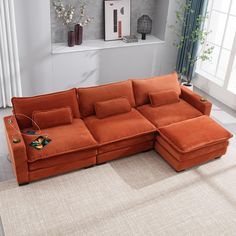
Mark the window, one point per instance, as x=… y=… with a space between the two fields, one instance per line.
x=221 y=22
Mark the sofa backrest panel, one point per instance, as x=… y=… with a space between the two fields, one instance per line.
x=25 y=106
x=143 y=87
x=89 y=96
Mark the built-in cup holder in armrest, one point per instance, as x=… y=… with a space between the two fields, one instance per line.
x=203 y=99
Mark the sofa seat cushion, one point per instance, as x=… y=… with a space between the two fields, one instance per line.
x=169 y=114
x=65 y=139
x=119 y=127
x=194 y=134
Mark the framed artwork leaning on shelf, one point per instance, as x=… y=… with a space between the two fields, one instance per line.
x=117 y=19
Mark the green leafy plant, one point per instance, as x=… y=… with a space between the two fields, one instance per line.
x=190 y=37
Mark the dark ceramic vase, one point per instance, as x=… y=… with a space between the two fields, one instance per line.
x=71 y=38
x=78 y=34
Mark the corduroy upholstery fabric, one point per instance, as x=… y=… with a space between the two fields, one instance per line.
x=112 y=107
x=89 y=96
x=124 y=152
x=186 y=137
x=163 y=98
x=170 y=113
x=52 y=118
x=121 y=135
x=17 y=151
x=116 y=128
x=194 y=134
x=24 y=106
x=192 y=142
x=196 y=101
x=189 y=163
x=65 y=139
x=62 y=159
x=142 y=87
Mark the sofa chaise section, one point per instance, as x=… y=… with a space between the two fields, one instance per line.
x=192 y=142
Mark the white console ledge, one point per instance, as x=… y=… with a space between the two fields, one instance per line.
x=100 y=44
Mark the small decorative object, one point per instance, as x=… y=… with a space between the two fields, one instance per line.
x=66 y=15
x=40 y=142
x=130 y=39
x=71 y=38
x=203 y=99
x=117 y=19
x=16 y=140
x=81 y=21
x=144 y=26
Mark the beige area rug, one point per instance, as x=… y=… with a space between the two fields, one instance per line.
x=140 y=195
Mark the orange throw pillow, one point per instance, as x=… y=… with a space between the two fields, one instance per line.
x=112 y=107
x=52 y=118
x=163 y=98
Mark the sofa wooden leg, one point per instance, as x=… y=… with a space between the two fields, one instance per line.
x=88 y=167
x=99 y=164
x=179 y=171
x=146 y=151
x=23 y=184
x=218 y=157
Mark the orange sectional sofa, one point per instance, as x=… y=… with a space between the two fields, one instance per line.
x=88 y=126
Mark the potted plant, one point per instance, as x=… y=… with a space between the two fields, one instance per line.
x=194 y=39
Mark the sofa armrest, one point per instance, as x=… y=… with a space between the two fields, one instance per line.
x=196 y=101
x=17 y=150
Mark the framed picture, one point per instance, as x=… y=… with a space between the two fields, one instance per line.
x=117 y=19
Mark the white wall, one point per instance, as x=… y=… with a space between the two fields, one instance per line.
x=42 y=72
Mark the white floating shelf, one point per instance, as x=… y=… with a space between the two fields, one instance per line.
x=100 y=44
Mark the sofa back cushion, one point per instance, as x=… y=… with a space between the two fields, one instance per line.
x=163 y=98
x=89 y=96
x=52 y=118
x=112 y=107
x=24 y=107
x=143 y=87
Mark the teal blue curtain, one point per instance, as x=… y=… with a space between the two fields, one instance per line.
x=198 y=8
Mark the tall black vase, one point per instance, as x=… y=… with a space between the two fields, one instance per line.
x=71 y=38
x=78 y=34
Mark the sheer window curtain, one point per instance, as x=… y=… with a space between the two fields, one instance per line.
x=10 y=83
